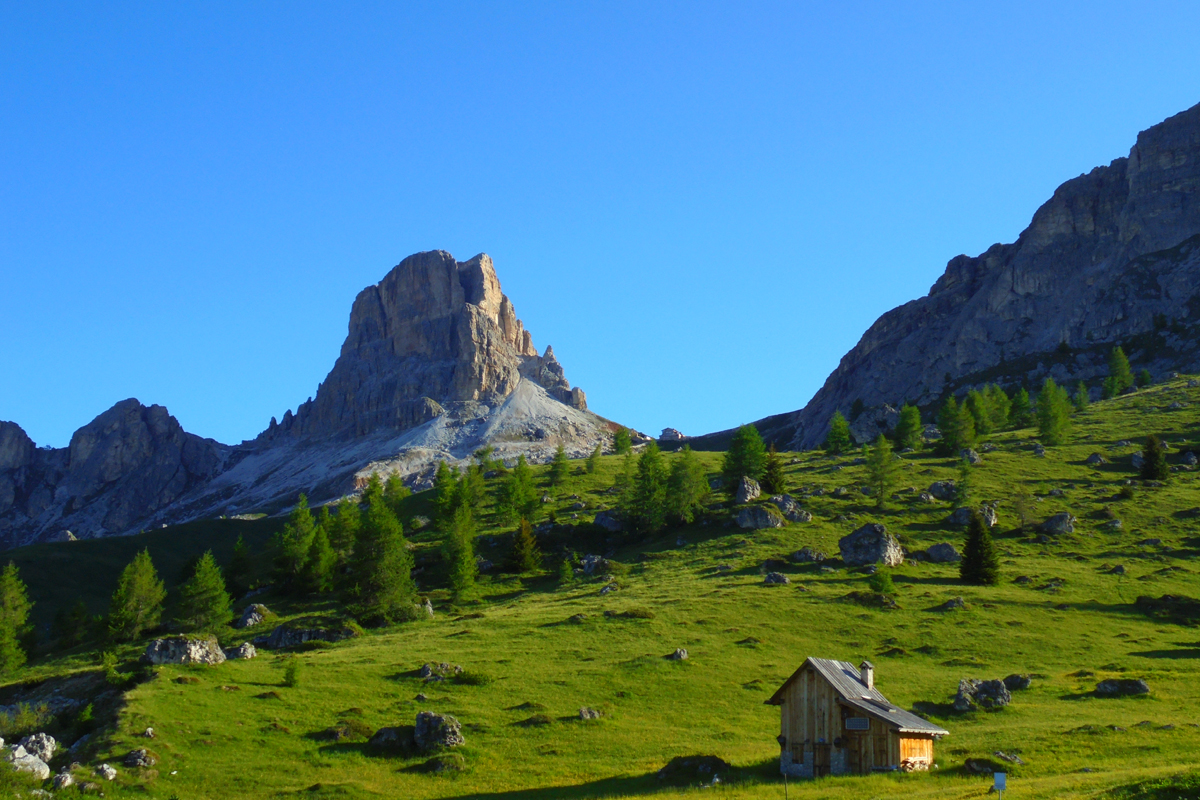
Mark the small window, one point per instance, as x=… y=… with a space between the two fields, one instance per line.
x=858 y=724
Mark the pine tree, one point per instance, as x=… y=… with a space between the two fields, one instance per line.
x=908 y=428
x=525 y=556
x=14 y=619
x=239 y=570
x=687 y=488
x=838 y=440
x=458 y=549
x=518 y=495
x=593 y=461
x=1081 y=399
x=647 y=506
x=344 y=530
x=1118 y=369
x=292 y=546
x=1144 y=378
x=322 y=561
x=745 y=458
x=881 y=470
x=622 y=441
x=381 y=587
x=1021 y=415
x=1053 y=413
x=980 y=563
x=394 y=491
x=137 y=604
x=1154 y=460
x=204 y=603
x=446 y=494
x=773 y=480
x=560 y=467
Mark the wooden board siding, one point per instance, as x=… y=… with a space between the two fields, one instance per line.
x=809 y=713
x=916 y=749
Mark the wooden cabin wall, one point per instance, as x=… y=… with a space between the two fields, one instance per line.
x=916 y=747
x=809 y=713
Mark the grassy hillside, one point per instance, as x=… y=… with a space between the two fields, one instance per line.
x=536 y=651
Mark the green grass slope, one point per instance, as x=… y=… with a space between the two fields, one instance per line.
x=537 y=652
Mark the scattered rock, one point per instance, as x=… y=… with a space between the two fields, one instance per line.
x=140 y=758
x=148 y=733
x=390 y=738
x=185 y=650
x=243 y=651
x=962 y=516
x=871 y=544
x=107 y=772
x=776 y=578
x=679 y=655
x=435 y=731
x=254 y=614
x=942 y=553
x=22 y=761
x=953 y=604
x=440 y=670
x=1058 y=524
x=593 y=564
x=690 y=770
x=64 y=780
x=1137 y=461
x=610 y=521
x=807 y=555
x=759 y=517
x=586 y=713
x=971 y=457
x=982 y=766
x=284 y=637
x=1011 y=758
x=609 y=589
x=942 y=490
x=1039 y=450
x=1121 y=687
x=1190 y=459
x=974 y=693
x=790 y=509
x=747 y=490
x=1119 y=569
x=925 y=497
x=1016 y=683
x=1095 y=460
x=41 y=745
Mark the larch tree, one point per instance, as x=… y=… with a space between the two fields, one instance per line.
x=881 y=470
x=204 y=603
x=292 y=546
x=838 y=440
x=745 y=458
x=14 y=619
x=137 y=603
x=908 y=428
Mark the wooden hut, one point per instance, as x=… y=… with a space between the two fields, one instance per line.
x=833 y=721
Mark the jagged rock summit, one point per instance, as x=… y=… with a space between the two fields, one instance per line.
x=1112 y=258
x=435 y=365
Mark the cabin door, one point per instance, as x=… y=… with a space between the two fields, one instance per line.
x=821 y=760
x=854 y=761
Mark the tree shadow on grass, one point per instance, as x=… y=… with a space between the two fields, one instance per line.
x=1188 y=650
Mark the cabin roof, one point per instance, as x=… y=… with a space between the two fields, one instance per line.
x=846 y=681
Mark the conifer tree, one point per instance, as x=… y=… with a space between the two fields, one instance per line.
x=881 y=470
x=624 y=481
x=977 y=405
x=446 y=494
x=458 y=549
x=980 y=563
x=525 y=556
x=908 y=428
x=1144 y=378
x=1118 y=369
x=593 y=461
x=647 y=507
x=344 y=529
x=773 y=480
x=319 y=568
x=292 y=546
x=1081 y=399
x=1023 y=505
x=239 y=570
x=622 y=441
x=72 y=627
x=999 y=406
x=560 y=467
x=1053 y=413
x=137 y=604
x=394 y=491
x=1021 y=415
x=518 y=495
x=1154 y=460
x=204 y=603
x=1110 y=388
x=471 y=488
x=838 y=440
x=14 y=619
x=964 y=487
x=957 y=426
x=382 y=588
x=687 y=488
x=746 y=457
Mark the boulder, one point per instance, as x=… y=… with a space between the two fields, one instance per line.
x=253 y=615
x=925 y=497
x=1015 y=683
x=22 y=761
x=64 y=780
x=593 y=564
x=970 y=456
x=1039 y=450
x=807 y=555
x=871 y=544
x=747 y=490
x=953 y=604
x=1095 y=460
x=943 y=553
x=185 y=650
x=388 y=739
x=774 y=578
x=942 y=490
x=140 y=758
x=436 y=731
x=1137 y=461
x=962 y=516
x=867 y=426
x=974 y=693
x=790 y=509
x=609 y=521
x=41 y=745
x=586 y=713
x=1190 y=459
x=107 y=772
x=283 y=636
x=1058 y=524
x=244 y=650
x=679 y=655
x=1121 y=687
x=758 y=517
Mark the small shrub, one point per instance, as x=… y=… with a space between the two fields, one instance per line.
x=291 y=673
x=470 y=678
x=1126 y=493
x=881 y=583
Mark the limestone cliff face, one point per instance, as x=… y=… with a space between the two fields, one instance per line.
x=1106 y=260
x=122 y=467
x=433 y=332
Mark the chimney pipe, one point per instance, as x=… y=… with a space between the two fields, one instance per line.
x=866 y=671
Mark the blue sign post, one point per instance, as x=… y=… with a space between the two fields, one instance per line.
x=1001 y=783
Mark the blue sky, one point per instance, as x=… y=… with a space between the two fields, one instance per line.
x=701 y=206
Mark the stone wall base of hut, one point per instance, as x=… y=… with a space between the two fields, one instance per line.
x=796 y=769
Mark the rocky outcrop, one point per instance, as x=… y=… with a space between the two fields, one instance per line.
x=437 y=731
x=871 y=544
x=1110 y=256
x=184 y=650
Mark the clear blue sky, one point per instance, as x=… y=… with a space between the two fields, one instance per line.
x=701 y=206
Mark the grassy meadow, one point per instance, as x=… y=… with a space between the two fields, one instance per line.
x=536 y=651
